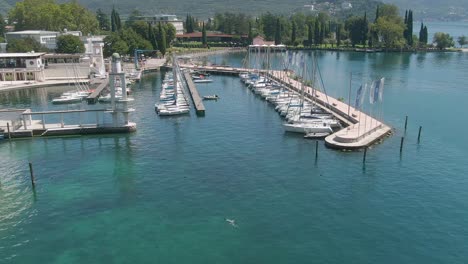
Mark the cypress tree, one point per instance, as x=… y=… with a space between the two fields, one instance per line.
x=278 y=32
x=421 y=33
x=161 y=39
x=410 y=27
x=317 y=33
x=310 y=35
x=204 y=41
x=293 y=34
x=322 y=33
x=405 y=32
x=250 y=37
x=152 y=36
x=365 y=29
x=113 y=26
x=338 y=35
x=118 y=22
x=425 y=35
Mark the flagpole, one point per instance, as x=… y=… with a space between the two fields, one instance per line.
x=349 y=93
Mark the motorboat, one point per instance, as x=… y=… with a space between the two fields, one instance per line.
x=67 y=99
x=211 y=97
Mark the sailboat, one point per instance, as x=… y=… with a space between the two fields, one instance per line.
x=172 y=100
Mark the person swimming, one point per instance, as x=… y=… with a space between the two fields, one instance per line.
x=231 y=222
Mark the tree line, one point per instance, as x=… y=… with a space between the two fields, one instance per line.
x=386 y=30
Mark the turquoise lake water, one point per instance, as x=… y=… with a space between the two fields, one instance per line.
x=161 y=195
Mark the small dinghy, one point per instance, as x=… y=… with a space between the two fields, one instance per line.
x=316 y=135
x=211 y=97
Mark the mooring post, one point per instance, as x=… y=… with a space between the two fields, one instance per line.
x=419 y=134
x=401 y=143
x=364 y=157
x=406 y=123
x=32 y=176
x=316 y=149
x=9 y=133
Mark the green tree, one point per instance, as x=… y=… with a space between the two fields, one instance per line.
x=278 y=32
x=114 y=44
x=317 y=32
x=116 y=23
x=204 y=41
x=443 y=40
x=268 y=25
x=24 y=45
x=190 y=24
x=152 y=36
x=293 y=34
x=250 y=36
x=389 y=27
x=310 y=35
x=389 y=32
x=421 y=34
x=48 y=15
x=426 y=36
x=2 y=25
x=409 y=28
x=462 y=41
x=103 y=20
x=161 y=39
x=354 y=25
x=69 y=44
x=364 y=29
x=338 y=35
x=170 y=33
x=141 y=28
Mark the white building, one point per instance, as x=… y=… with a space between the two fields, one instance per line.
x=47 y=39
x=21 y=67
x=172 y=19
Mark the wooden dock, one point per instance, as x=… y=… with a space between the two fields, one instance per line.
x=197 y=100
x=361 y=131
x=92 y=98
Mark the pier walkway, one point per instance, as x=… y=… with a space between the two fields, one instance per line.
x=197 y=100
x=362 y=130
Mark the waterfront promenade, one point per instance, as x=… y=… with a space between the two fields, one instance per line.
x=361 y=130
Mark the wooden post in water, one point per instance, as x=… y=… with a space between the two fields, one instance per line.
x=32 y=176
x=316 y=149
x=364 y=157
x=9 y=133
x=401 y=144
x=406 y=123
x=419 y=134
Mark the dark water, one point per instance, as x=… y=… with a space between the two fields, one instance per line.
x=161 y=195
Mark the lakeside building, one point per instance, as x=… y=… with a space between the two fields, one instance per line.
x=164 y=19
x=47 y=39
x=21 y=67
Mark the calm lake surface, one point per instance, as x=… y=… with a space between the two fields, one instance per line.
x=161 y=195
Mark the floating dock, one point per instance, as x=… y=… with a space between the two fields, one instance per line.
x=197 y=100
x=20 y=124
x=362 y=130
x=93 y=97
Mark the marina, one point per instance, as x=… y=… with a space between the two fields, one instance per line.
x=358 y=134
x=177 y=179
